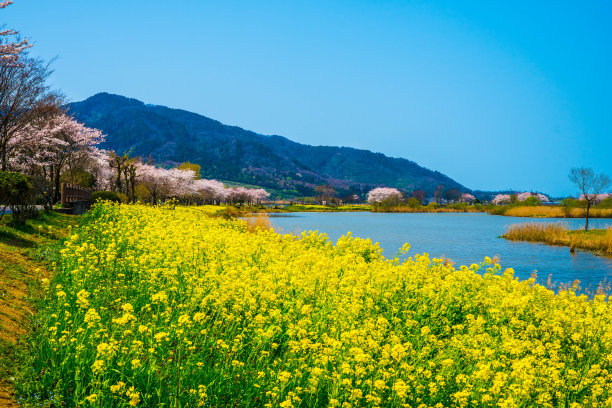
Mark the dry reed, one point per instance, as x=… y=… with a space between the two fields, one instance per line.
x=553 y=233
x=261 y=222
x=531 y=211
x=556 y=212
x=557 y=233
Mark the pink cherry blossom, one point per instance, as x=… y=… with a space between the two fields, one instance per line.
x=501 y=199
x=380 y=194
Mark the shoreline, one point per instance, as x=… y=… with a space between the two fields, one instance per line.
x=598 y=241
x=514 y=212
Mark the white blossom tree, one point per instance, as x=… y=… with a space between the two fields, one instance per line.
x=10 y=44
x=467 y=198
x=381 y=195
x=211 y=191
x=501 y=199
x=524 y=196
x=50 y=146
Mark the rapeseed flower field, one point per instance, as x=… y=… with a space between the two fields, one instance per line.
x=174 y=308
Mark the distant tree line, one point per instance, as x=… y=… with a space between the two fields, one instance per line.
x=42 y=146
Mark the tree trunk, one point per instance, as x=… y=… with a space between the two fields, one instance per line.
x=586 y=225
x=118 y=184
x=3 y=147
x=56 y=185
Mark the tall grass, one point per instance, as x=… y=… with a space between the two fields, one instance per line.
x=536 y=232
x=428 y=209
x=535 y=211
x=558 y=234
x=549 y=211
x=261 y=222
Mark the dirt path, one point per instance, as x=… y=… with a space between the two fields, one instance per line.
x=20 y=275
x=16 y=272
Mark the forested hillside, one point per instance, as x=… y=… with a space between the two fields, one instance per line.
x=171 y=136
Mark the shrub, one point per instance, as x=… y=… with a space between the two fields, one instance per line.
x=413 y=203
x=531 y=201
x=123 y=198
x=17 y=193
x=605 y=203
x=458 y=206
x=105 y=196
x=568 y=204
x=498 y=209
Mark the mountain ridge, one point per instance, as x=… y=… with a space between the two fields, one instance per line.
x=225 y=152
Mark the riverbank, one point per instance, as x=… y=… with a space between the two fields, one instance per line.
x=518 y=211
x=22 y=267
x=170 y=307
x=596 y=240
x=298 y=208
x=430 y=209
x=542 y=211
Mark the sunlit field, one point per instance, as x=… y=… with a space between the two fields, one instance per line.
x=158 y=307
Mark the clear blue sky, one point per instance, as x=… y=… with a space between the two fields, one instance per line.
x=494 y=94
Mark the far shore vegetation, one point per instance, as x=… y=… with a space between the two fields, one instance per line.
x=568 y=208
x=557 y=233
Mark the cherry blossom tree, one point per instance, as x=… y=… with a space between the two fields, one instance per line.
x=158 y=184
x=258 y=195
x=25 y=97
x=596 y=199
x=154 y=179
x=382 y=195
x=49 y=146
x=501 y=199
x=99 y=166
x=467 y=198
x=180 y=183
x=523 y=196
x=10 y=44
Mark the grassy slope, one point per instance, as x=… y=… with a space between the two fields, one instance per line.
x=21 y=268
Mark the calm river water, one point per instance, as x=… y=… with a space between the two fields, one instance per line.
x=464 y=238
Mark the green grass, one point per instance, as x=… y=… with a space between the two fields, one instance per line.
x=25 y=251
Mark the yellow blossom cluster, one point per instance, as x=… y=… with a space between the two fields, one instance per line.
x=156 y=307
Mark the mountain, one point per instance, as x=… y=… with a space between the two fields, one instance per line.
x=229 y=153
